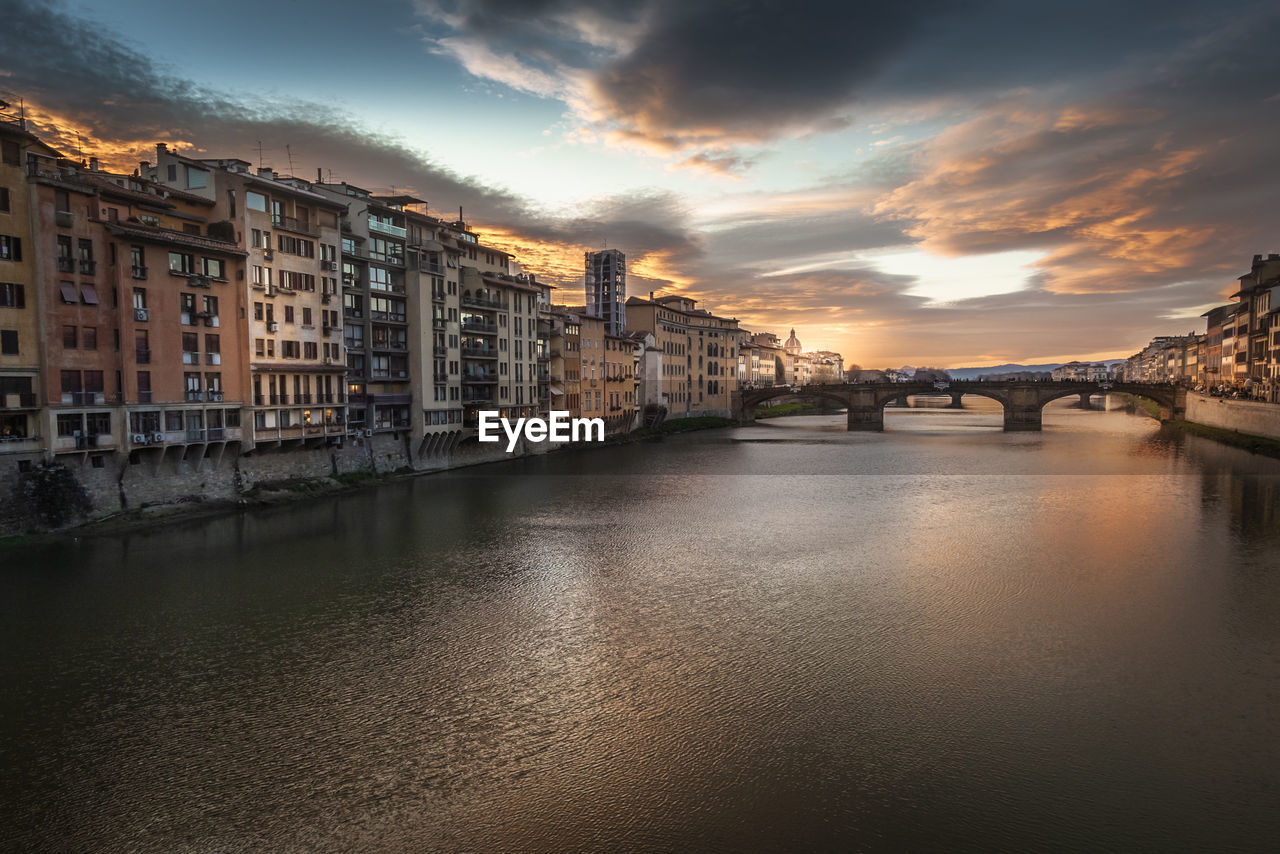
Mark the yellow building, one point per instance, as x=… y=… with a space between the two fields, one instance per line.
x=699 y=353
x=20 y=315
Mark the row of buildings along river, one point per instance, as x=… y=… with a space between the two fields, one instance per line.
x=1239 y=350
x=200 y=310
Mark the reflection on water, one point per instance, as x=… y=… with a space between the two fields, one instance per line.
x=769 y=638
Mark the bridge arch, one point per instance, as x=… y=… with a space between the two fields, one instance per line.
x=753 y=398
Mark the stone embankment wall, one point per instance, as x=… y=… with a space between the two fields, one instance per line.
x=1243 y=416
x=88 y=492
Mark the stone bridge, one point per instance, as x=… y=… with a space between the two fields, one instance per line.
x=1022 y=401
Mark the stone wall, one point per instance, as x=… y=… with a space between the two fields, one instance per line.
x=173 y=475
x=1243 y=416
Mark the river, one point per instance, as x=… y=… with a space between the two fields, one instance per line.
x=779 y=637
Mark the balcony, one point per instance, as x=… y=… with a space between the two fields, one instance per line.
x=428 y=267
x=481 y=328
x=82 y=398
x=139 y=272
x=66 y=264
x=88 y=266
x=194 y=396
x=439 y=351
x=297 y=226
x=195 y=435
x=64 y=219
x=437 y=296
x=484 y=302
x=142 y=356
x=381 y=227
x=479 y=353
x=17 y=401
x=485 y=377
x=390 y=316
x=329 y=330
x=438 y=323
x=213 y=358
x=302 y=399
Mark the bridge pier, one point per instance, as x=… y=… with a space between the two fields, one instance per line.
x=1084 y=399
x=1018 y=419
x=955 y=400
x=868 y=418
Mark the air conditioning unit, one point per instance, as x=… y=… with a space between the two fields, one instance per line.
x=215 y=396
x=140 y=439
x=140 y=315
x=157 y=437
x=273 y=326
x=368 y=432
x=200 y=282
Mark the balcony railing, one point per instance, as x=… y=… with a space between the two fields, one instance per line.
x=66 y=264
x=387 y=228
x=87 y=266
x=394 y=317
x=139 y=272
x=479 y=353
x=297 y=226
x=479 y=378
x=82 y=398
x=17 y=401
x=482 y=328
x=484 y=302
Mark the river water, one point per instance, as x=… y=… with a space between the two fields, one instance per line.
x=779 y=637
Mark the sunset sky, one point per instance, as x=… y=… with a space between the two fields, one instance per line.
x=913 y=182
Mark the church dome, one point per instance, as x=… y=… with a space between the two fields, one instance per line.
x=793 y=343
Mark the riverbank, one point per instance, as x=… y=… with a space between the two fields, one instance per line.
x=1252 y=426
x=60 y=498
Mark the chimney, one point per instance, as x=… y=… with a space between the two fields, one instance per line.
x=1257 y=259
x=319 y=175
x=161 y=148
x=145 y=164
x=93 y=164
x=266 y=172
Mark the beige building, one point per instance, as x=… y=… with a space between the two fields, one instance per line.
x=699 y=350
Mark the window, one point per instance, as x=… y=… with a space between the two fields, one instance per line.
x=261 y=276
x=12 y=295
x=89 y=338
x=296 y=246
x=309 y=350
x=210 y=305
x=255 y=201
x=70 y=337
x=257 y=311
x=306 y=316
x=4 y=199
x=182 y=263
x=214 y=268
x=10 y=153
x=196 y=178
x=288 y=314
x=140 y=298
x=10 y=248
x=9 y=342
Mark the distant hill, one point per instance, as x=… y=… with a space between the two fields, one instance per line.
x=974 y=373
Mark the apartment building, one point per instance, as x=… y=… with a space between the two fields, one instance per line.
x=21 y=361
x=291 y=292
x=700 y=353
x=591 y=342
x=619 y=361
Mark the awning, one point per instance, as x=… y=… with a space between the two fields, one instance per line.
x=555 y=389
x=69 y=293
x=89 y=294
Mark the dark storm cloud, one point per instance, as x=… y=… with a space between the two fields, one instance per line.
x=74 y=76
